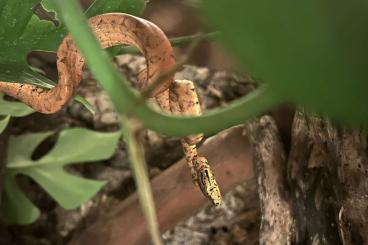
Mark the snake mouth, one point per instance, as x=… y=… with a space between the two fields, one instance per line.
x=215 y=196
x=216 y=201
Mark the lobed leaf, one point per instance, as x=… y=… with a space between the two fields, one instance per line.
x=74 y=145
x=15 y=206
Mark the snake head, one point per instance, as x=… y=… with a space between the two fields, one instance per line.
x=206 y=180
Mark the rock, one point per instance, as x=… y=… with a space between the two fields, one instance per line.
x=219 y=225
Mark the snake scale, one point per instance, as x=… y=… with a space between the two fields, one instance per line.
x=176 y=96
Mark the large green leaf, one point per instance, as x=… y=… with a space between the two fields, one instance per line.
x=75 y=145
x=313 y=53
x=22 y=31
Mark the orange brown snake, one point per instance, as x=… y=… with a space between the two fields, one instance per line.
x=176 y=96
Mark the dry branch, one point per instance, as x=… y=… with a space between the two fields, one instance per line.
x=277 y=223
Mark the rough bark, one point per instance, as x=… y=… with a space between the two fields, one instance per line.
x=311 y=183
x=328 y=176
x=319 y=195
x=353 y=175
x=277 y=223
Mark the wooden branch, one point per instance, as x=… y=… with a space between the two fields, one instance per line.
x=309 y=181
x=176 y=198
x=353 y=175
x=277 y=223
x=327 y=170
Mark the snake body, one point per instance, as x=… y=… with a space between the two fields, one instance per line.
x=178 y=97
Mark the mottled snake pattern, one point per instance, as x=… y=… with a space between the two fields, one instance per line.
x=173 y=96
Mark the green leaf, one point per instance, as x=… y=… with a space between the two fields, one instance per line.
x=75 y=145
x=85 y=103
x=14 y=109
x=15 y=206
x=22 y=31
x=62 y=186
x=313 y=53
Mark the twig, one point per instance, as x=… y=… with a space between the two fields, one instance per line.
x=176 y=41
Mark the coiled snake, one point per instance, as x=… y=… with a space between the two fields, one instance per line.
x=176 y=96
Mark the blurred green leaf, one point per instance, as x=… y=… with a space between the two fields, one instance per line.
x=75 y=145
x=3 y=123
x=313 y=53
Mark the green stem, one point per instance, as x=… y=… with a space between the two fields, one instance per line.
x=215 y=120
x=186 y=39
x=124 y=98
x=139 y=169
x=174 y=42
x=3 y=123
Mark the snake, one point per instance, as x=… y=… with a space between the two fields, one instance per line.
x=178 y=97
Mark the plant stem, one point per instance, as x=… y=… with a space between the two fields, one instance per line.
x=175 y=41
x=3 y=123
x=186 y=39
x=130 y=128
x=124 y=98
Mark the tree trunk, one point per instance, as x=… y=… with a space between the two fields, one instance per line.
x=317 y=193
